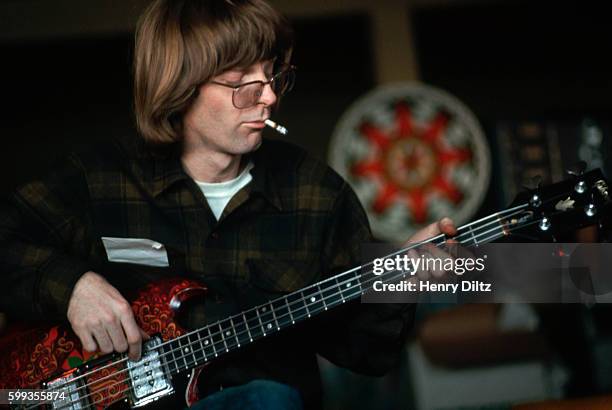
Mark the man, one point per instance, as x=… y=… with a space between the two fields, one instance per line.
x=203 y=196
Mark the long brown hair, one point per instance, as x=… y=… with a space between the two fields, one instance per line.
x=181 y=44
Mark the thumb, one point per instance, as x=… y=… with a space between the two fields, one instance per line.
x=145 y=335
x=425 y=233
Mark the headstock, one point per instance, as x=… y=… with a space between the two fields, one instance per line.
x=541 y=212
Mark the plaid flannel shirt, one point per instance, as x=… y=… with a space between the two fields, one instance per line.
x=294 y=223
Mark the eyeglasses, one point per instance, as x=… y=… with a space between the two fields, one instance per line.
x=248 y=94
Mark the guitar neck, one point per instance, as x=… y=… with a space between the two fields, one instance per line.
x=216 y=339
x=567 y=204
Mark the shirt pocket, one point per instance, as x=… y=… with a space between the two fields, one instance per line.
x=282 y=276
x=138 y=251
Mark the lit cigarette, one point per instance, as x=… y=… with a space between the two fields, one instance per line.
x=277 y=127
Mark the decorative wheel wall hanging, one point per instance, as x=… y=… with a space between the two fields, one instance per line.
x=413 y=154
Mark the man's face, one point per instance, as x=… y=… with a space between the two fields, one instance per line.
x=212 y=121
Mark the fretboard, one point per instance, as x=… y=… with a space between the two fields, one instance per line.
x=219 y=338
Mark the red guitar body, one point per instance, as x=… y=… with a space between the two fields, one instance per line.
x=33 y=355
x=52 y=354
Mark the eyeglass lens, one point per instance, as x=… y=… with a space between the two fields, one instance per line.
x=248 y=95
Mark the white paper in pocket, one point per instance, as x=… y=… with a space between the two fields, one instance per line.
x=135 y=250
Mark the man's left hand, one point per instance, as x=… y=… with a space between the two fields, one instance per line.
x=445 y=226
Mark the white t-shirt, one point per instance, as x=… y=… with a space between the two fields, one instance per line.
x=218 y=194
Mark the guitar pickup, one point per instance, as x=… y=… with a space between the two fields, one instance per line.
x=72 y=389
x=148 y=376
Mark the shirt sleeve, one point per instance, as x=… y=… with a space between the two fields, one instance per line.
x=43 y=243
x=365 y=338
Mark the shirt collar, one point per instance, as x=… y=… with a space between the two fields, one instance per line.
x=162 y=168
x=264 y=181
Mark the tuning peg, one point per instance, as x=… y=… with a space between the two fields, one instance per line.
x=533 y=184
x=535 y=201
x=544 y=224
x=590 y=209
x=577 y=169
x=580 y=187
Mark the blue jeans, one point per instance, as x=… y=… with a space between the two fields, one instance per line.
x=255 y=395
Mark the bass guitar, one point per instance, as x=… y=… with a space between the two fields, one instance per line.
x=51 y=360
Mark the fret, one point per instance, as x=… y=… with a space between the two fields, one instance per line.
x=357 y=281
x=219 y=338
x=318 y=285
x=348 y=285
x=204 y=356
x=206 y=341
x=340 y=286
x=473 y=237
x=235 y=332
x=181 y=360
x=281 y=312
x=192 y=350
x=313 y=300
x=266 y=318
x=368 y=277
x=332 y=294
x=241 y=329
x=305 y=304
x=289 y=310
x=274 y=315
x=411 y=270
x=184 y=356
x=171 y=361
x=176 y=354
x=175 y=349
x=492 y=230
x=352 y=285
x=246 y=324
x=211 y=341
x=254 y=324
x=229 y=334
x=297 y=305
x=222 y=336
x=263 y=329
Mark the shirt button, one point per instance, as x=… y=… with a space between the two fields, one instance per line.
x=214 y=235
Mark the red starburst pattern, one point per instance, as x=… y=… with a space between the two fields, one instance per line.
x=410 y=162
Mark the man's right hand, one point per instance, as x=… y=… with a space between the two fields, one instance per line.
x=102 y=318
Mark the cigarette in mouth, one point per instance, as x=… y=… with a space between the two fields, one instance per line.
x=277 y=127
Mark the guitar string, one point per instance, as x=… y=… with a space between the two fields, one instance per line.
x=301 y=302
x=492 y=237
x=93 y=404
x=335 y=278
x=203 y=350
x=107 y=388
x=216 y=333
x=412 y=246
